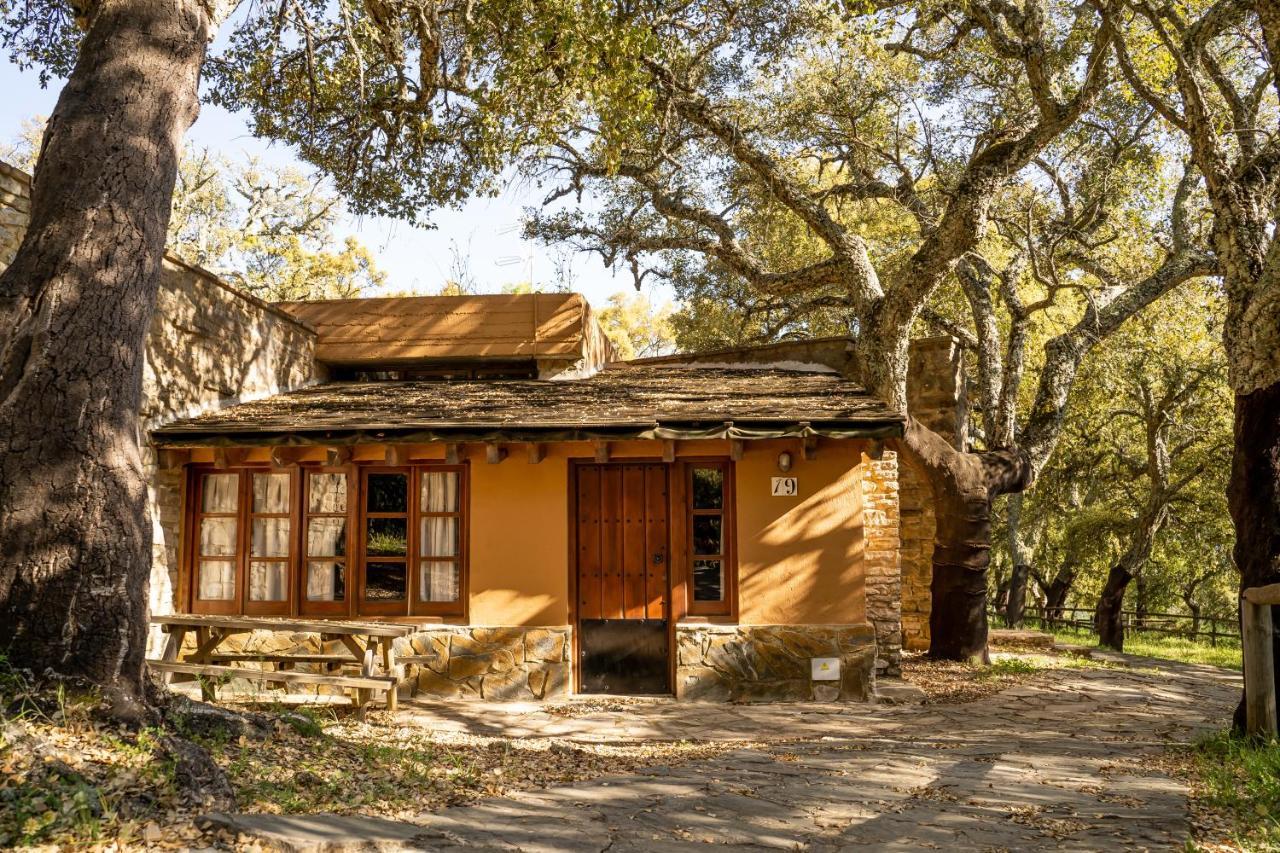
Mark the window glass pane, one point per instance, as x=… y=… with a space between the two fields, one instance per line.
x=218 y=537
x=439 y=537
x=388 y=537
x=326 y=537
x=706 y=534
x=270 y=538
x=384 y=581
x=220 y=493
x=327 y=493
x=708 y=488
x=708 y=580
x=439 y=491
x=271 y=492
x=440 y=581
x=388 y=493
x=217 y=580
x=326 y=581
x=268 y=581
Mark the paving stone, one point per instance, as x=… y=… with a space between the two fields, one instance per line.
x=1044 y=766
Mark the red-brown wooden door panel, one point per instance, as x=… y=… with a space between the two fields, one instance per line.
x=622 y=528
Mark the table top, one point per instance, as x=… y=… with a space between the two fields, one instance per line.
x=284 y=623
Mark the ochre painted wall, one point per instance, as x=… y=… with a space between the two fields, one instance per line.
x=800 y=558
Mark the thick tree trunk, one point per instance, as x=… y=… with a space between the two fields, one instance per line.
x=963 y=485
x=1017 y=602
x=75 y=304
x=1055 y=597
x=1108 y=618
x=1253 y=496
x=1020 y=554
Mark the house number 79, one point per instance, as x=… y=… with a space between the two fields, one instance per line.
x=785 y=487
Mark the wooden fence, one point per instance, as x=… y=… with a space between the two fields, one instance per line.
x=1169 y=624
x=1259 y=663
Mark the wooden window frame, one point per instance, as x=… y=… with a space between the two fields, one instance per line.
x=726 y=608
x=444 y=609
x=270 y=608
x=356 y=515
x=364 y=607
x=194 y=558
x=332 y=609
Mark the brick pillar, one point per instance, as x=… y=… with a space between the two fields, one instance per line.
x=881 y=557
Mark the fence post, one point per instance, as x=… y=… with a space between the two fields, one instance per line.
x=1259 y=663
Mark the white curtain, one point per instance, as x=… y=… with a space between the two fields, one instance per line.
x=267 y=581
x=440 y=491
x=270 y=492
x=439 y=581
x=221 y=493
x=327 y=493
x=217 y=580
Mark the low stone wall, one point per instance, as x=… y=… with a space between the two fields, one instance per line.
x=773 y=663
x=501 y=664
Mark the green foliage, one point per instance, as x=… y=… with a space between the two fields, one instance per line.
x=636 y=326
x=1242 y=776
x=1225 y=654
x=408 y=107
x=267 y=230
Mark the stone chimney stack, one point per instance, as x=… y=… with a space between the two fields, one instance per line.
x=935 y=388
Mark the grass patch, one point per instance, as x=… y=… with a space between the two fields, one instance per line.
x=1241 y=776
x=1226 y=655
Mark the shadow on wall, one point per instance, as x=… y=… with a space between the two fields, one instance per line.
x=805 y=565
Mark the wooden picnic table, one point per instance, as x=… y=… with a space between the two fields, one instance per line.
x=369 y=645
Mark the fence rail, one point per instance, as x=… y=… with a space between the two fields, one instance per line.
x=1169 y=624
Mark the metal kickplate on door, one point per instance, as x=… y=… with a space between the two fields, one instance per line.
x=624 y=656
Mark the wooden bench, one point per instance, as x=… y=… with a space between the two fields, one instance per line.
x=369 y=646
x=209 y=675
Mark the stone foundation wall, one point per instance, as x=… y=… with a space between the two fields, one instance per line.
x=499 y=664
x=880 y=557
x=772 y=663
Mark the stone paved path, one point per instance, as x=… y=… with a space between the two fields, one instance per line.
x=1063 y=764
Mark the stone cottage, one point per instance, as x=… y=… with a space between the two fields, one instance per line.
x=550 y=521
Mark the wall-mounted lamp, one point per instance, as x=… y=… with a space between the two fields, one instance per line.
x=784 y=461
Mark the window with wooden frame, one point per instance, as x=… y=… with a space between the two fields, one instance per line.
x=441 y=580
x=329 y=542
x=712 y=569
x=326 y=576
x=243 y=544
x=384 y=587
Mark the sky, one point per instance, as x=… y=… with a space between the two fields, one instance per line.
x=487 y=230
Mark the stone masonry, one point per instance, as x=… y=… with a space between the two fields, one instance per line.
x=772 y=663
x=880 y=534
x=498 y=664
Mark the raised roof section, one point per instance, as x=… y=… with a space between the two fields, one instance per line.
x=414 y=329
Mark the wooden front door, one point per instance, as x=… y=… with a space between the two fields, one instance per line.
x=623 y=557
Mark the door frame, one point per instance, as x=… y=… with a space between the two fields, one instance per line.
x=669 y=609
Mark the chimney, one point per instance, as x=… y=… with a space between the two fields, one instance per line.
x=935 y=388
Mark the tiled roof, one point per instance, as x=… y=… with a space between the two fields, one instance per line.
x=621 y=401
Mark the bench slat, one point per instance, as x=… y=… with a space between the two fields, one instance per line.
x=264 y=657
x=211 y=671
x=271 y=623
